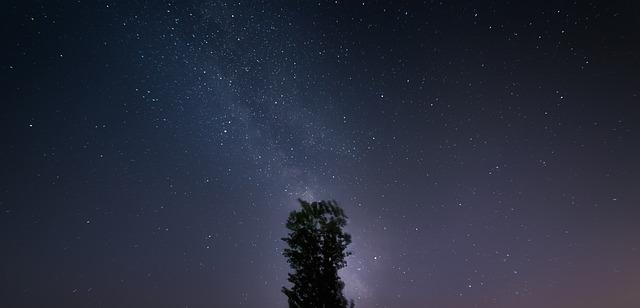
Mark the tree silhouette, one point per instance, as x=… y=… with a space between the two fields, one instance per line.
x=316 y=252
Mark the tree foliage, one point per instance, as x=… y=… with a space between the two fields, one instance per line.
x=316 y=251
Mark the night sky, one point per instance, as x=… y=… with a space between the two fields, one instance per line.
x=486 y=152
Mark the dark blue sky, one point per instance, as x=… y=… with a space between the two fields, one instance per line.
x=486 y=153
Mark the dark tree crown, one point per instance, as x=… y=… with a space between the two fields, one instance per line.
x=316 y=251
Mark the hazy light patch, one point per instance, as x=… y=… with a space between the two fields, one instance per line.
x=355 y=287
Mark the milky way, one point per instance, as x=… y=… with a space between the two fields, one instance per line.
x=486 y=154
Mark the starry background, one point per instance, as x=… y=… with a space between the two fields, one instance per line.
x=486 y=153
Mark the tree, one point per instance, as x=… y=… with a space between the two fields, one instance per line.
x=316 y=252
